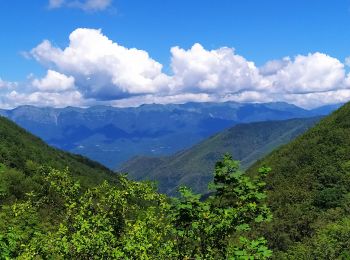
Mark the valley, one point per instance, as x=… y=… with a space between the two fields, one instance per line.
x=112 y=135
x=193 y=167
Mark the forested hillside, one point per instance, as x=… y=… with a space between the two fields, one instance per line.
x=192 y=167
x=50 y=212
x=22 y=151
x=309 y=192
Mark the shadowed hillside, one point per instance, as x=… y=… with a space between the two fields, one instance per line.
x=193 y=167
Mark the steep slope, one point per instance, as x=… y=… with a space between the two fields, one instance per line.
x=193 y=167
x=113 y=135
x=20 y=150
x=309 y=190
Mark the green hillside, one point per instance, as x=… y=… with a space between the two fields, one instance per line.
x=21 y=151
x=193 y=167
x=50 y=212
x=309 y=192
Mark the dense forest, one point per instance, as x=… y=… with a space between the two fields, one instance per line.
x=292 y=204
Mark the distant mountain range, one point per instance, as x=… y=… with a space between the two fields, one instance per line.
x=194 y=167
x=112 y=135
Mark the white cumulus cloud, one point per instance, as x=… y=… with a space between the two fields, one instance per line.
x=314 y=72
x=200 y=70
x=103 y=69
x=54 y=82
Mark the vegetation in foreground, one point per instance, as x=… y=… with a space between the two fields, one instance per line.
x=62 y=221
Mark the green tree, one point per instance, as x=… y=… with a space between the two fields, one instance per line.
x=216 y=228
x=330 y=242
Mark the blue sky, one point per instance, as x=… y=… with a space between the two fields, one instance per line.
x=259 y=31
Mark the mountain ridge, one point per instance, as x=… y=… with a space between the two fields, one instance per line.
x=112 y=135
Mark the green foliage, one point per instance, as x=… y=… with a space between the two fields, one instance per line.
x=63 y=220
x=330 y=242
x=19 y=224
x=309 y=186
x=102 y=222
x=215 y=228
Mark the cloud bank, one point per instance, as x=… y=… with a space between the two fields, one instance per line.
x=93 y=69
